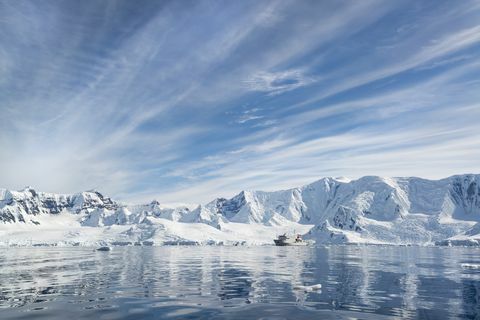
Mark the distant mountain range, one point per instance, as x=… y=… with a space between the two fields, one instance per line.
x=331 y=210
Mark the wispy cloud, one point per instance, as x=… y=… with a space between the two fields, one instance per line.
x=278 y=82
x=248 y=117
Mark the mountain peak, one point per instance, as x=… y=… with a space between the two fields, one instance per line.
x=370 y=209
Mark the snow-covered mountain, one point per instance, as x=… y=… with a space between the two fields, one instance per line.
x=331 y=210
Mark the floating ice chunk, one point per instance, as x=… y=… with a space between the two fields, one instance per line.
x=311 y=288
x=104 y=249
x=470 y=266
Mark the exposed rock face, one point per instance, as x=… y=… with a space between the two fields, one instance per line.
x=465 y=193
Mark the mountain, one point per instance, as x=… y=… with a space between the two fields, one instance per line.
x=23 y=206
x=331 y=210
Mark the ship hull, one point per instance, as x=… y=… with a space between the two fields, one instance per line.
x=285 y=244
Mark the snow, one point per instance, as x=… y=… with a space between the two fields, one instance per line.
x=66 y=230
x=369 y=210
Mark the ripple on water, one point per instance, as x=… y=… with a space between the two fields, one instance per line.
x=239 y=283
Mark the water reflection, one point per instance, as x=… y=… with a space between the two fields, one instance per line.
x=209 y=282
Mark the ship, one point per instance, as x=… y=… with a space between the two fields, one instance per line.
x=284 y=240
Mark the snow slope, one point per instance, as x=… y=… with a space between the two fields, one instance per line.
x=331 y=210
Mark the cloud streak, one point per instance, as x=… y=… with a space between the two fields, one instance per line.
x=278 y=82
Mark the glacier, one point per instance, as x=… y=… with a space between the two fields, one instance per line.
x=368 y=210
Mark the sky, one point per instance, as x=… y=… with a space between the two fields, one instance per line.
x=186 y=101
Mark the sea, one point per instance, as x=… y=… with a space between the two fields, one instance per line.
x=221 y=282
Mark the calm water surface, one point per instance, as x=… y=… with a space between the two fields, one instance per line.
x=240 y=283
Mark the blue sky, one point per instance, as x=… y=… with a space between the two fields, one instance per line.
x=185 y=101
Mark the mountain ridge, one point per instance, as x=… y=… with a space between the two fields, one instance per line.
x=371 y=209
